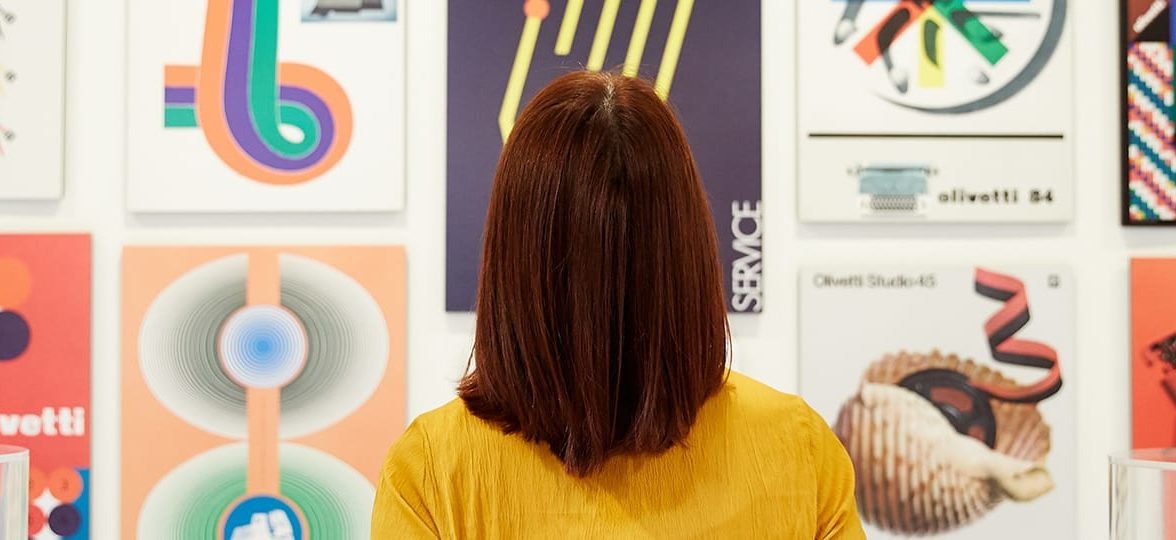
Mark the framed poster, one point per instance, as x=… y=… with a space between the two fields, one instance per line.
x=959 y=412
x=266 y=105
x=276 y=375
x=45 y=375
x=934 y=111
x=704 y=56
x=32 y=99
x=1149 y=151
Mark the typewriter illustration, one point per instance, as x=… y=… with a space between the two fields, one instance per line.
x=323 y=8
x=893 y=189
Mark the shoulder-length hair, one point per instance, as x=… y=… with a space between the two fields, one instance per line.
x=601 y=325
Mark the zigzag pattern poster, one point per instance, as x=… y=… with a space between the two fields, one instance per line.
x=704 y=56
x=1149 y=150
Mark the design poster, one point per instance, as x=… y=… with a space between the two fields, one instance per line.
x=1153 y=364
x=1153 y=353
x=266 y=105
x=951 y=388
x=704 y=57
x=934 y=110
x=276 y=376
x=1149 y=153
x=45 y=375
x=32 y=98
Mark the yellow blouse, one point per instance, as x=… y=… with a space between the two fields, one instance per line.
x=757 y=464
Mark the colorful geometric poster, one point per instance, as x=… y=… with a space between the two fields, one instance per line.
x=704 y=58
x=45 y=375
x=1153 y=353
x=951 y=388
x=1149 y=150
x=32 y=98
x=276 y=377
x=266 y=105
x=934 y=111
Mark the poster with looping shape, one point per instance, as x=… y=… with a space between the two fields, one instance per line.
x=32 y=99
x=925 y=111
x=276 y=376
x=266 y=105
x=45 y=375
x=952 y=389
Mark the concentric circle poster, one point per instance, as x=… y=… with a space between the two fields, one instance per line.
x=262 y=388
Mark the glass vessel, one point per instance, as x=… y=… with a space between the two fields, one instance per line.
x=14 y=493
x=1143 y=494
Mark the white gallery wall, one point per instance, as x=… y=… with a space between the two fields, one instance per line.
x=766 y=345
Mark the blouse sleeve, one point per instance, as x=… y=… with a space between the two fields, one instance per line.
x=837 y=517
x=404 y=499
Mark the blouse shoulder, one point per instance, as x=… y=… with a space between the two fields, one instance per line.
x=759 y=402
x=453 y=421
x=409 y=494
x=406 y=494
x=805 y=436
x=448 y=414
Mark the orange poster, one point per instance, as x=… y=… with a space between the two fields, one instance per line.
x=45 y=375
x=1153 y=353
x=261 y=389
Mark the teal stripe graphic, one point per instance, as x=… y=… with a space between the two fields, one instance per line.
x=1143 y=207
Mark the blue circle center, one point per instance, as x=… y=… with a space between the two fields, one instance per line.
x=263 y=346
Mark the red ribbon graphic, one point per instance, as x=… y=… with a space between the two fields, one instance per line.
x=1001 y=329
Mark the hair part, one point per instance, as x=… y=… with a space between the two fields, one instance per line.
x=601 y=326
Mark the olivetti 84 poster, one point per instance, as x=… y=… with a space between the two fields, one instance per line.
x=934 y=111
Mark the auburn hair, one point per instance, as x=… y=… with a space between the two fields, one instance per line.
x=601 y=325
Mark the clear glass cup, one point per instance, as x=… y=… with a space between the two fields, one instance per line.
x=14 y=493
x=1143 y=486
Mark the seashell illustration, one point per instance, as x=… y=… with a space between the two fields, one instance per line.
x=917 y=472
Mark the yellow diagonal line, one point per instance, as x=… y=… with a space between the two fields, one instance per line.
x=640 y=36
x=669 y=63
x=518 y=76
x=604 y=31
x=567 y=29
